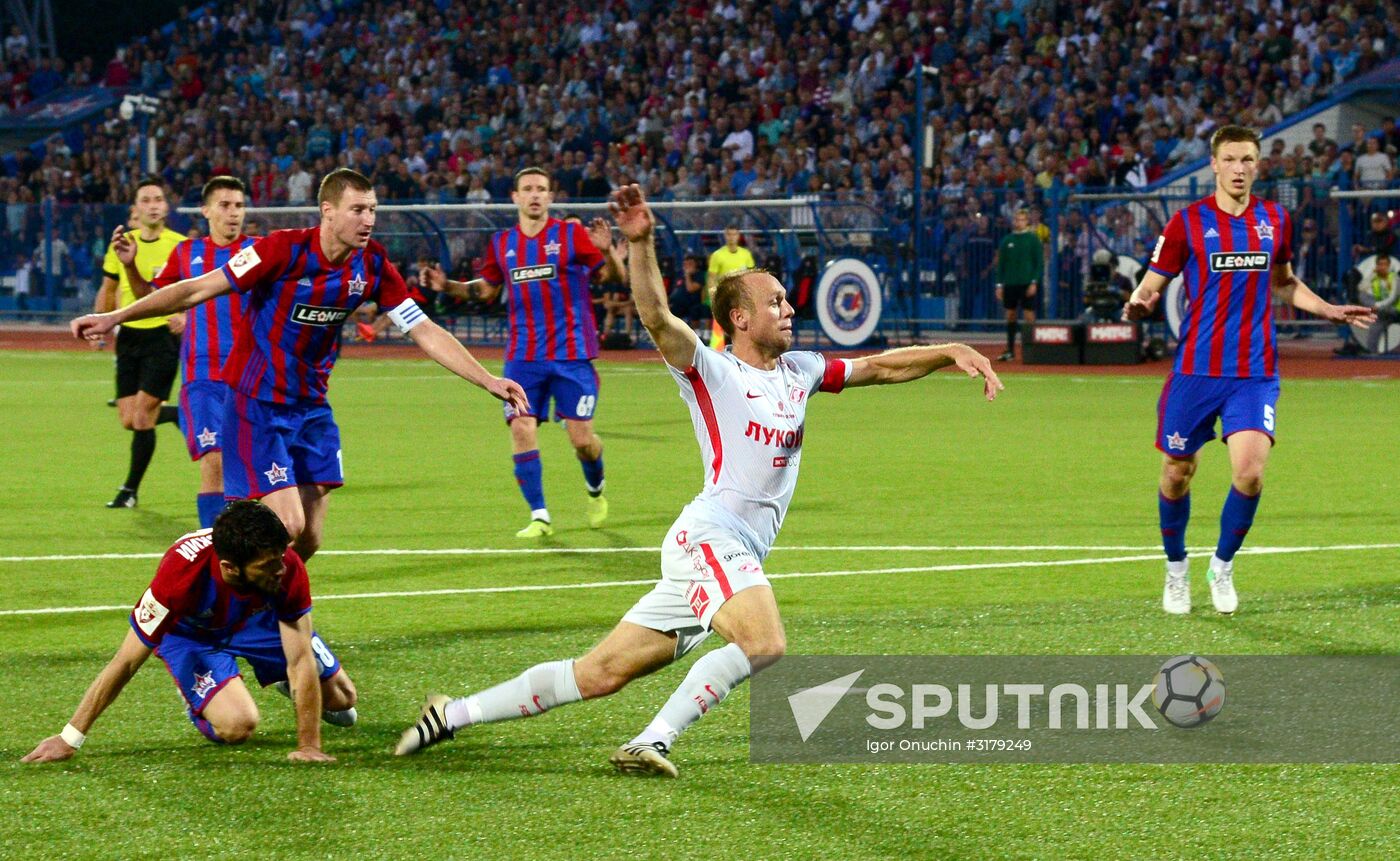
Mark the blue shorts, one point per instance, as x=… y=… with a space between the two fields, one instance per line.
x=268 y=446
x=1190 y=404
x=572 y=385
x=201 y=669
x=202 y=415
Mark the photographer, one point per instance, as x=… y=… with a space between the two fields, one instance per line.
x=1106 y=289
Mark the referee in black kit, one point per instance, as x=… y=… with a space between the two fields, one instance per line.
x=148 y=351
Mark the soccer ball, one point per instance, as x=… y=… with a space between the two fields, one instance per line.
x=1189 y=691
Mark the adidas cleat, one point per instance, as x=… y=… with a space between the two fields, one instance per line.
x=1176 y=594
x=431 y=727
x=124 y=499
x=648 y=760
x=1222 y=588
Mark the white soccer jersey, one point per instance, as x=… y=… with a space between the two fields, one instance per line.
x=749 y=423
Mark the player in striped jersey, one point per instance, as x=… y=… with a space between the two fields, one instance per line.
x=281 y=442
x=208 y=336
x=546 y=266
x=748 y=407
x=1233 y=251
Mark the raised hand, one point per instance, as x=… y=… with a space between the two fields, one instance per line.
x=123 y=245
x=601 y=233
x=629 y=209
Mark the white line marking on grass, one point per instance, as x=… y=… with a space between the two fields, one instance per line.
x=795 y=548
x=603 y=584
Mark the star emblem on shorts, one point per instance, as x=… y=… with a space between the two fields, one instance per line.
x=1265 y=230
x=1176 y=442
x=277 y=474
x=356 y=285
x=207 y=438
x=551 y=249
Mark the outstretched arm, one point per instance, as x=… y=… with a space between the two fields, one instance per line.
x=478 y=288
x=101 y=693
x=159 y=303
x=447 y=351
x=911 y=363
x=1292 y=290
x=671 y=335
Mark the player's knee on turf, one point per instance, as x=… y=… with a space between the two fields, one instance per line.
x=338 y=693
x=235 y=728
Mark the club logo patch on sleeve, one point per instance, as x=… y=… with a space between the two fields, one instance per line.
x=244 y=261
x=149 y=613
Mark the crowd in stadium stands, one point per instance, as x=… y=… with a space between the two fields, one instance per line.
x=442 y=101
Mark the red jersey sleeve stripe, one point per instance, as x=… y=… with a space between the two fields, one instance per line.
x=707 y=411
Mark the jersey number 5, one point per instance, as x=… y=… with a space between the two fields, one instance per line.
x=1268 y=418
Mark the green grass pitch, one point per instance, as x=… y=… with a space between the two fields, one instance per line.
x=1056 y=461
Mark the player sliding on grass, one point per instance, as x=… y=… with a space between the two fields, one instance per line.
x=748 y=406
x=237 y=591
x=1234 y=251
x=281 y=442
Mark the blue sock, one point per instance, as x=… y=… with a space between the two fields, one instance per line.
x=593 y=475
x=209 y=506
x=1173 y=515
x=529 y=474
x=1236 y=516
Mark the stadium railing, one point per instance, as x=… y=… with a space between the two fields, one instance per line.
x=946 y=285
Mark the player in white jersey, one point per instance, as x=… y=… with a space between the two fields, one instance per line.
x=748 y=407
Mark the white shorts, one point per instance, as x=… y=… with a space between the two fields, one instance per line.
x=702 y=566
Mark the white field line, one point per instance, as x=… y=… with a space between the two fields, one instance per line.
x=796 y=548
x=555 y=587
x=553 y=551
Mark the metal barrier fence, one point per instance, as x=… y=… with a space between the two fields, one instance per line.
x=51 y=253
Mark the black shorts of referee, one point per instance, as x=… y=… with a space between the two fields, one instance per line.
x=1014 y=298
x=147 y=361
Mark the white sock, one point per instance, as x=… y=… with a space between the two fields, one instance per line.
x=533 y=692
x=1218 y=564
x=539 y=514
x=1179 y=568
x=709 y=681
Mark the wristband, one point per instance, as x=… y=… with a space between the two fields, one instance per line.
x=72 y=736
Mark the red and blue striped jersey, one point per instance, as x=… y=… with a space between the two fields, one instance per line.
x=547 y=278
x=1226 y=262
x=209 y=326
x=189 y=597
x=295 y=303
